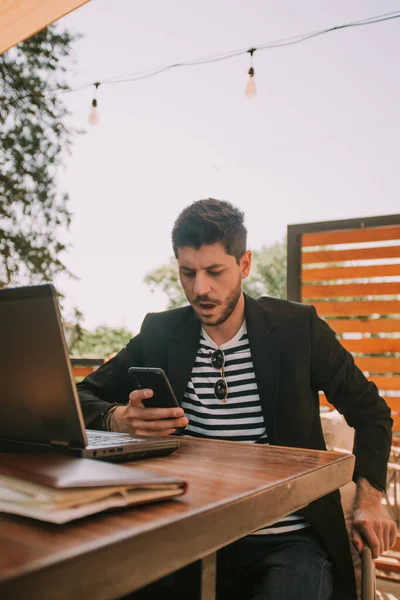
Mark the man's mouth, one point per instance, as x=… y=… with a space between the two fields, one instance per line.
x=206 y=305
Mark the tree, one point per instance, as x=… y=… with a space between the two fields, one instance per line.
x=166 y=277
x=268 y=276
x=268 y=272
x=33 y=138
x=101 y=342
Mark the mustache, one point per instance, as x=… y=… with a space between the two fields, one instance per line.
x=200 y=299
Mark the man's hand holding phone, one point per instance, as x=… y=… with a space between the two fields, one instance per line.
x=137 y=420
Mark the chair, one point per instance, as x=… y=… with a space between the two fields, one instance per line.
x=339 y=437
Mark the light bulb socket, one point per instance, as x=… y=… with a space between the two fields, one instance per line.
x=251 y=72
x=94 y=102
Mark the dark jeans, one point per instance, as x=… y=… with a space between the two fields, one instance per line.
x=286 y=566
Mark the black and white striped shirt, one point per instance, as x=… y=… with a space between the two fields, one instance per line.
x=240 y=419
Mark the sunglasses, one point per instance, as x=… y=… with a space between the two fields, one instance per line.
x=220 y=387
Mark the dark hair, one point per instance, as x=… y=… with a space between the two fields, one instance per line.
x=210 y=221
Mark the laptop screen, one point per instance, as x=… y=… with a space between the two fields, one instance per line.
x=38 y=400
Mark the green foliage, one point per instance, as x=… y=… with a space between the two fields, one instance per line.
x=101 y=342
x=267 y=278
x=268 y=272
x=166 y=278
x=33 y=137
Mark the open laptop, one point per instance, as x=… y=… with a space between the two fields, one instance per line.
x=39 y=405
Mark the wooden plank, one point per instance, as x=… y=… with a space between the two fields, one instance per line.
x=350 y=290
x=396 y=547
x=337 y=256
x=367 y=308
x=392 y=402
x=80 y=371
x=359 y=272
x=20 y=19
x=372 y=345
x=388 y=563
x=386 y=383
x=323 y=401
x=365 y=325
x=346 y=236
x=384 y=364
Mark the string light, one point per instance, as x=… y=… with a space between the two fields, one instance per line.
x=296 y=39
x=251 y=90
x=94 y=111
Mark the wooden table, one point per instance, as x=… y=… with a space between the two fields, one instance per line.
x=234 y=489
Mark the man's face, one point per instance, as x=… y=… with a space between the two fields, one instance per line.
x=212 y=281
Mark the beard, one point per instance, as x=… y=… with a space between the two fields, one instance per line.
x=228 y=306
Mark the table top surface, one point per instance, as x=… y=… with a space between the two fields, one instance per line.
x=233 y=489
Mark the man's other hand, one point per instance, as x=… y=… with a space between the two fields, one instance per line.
x=137 y=420
x=371 y=524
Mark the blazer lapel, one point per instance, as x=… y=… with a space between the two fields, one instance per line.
x=182 y=353
x=265 y=352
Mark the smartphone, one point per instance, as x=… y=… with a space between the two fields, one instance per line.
x=153 y=379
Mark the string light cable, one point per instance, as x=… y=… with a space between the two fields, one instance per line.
x=136 y=76
x=250 y=90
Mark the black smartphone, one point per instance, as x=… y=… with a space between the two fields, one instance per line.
x=153 y=379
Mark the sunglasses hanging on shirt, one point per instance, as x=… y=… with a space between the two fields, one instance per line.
x=220 y=387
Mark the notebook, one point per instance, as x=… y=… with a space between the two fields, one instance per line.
x=59 y=489
x=39 y=405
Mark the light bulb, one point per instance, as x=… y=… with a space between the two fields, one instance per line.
x=94 y=113
x=250 y=90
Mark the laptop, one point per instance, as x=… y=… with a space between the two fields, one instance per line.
x=39 y=405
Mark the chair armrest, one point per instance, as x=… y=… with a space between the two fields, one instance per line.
x=368 y=583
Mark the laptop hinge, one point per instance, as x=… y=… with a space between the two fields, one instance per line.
x=58 y=443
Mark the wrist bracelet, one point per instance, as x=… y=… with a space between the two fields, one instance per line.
x=105 y=417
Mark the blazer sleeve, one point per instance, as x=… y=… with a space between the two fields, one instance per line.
x=109 y=383
x=357 y=399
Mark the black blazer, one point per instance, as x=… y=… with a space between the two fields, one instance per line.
x=295 y=355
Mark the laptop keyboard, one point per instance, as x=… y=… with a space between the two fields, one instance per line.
x=109 y=438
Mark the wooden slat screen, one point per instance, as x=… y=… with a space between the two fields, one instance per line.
x=352 y=277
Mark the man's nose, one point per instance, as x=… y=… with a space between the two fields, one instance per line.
x=201 y=285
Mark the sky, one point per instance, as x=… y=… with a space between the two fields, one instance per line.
x=320 y=141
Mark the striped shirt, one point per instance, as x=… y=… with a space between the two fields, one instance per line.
x=240 y=418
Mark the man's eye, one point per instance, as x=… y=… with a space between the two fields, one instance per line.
x=215 y=273
x=189 y=274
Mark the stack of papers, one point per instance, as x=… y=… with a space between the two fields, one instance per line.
x=59 y=489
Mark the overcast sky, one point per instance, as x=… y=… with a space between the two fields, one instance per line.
x=320 y=140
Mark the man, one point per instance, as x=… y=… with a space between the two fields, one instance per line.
x=247 y=370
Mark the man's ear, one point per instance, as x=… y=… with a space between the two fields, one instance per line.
x=245 y=264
